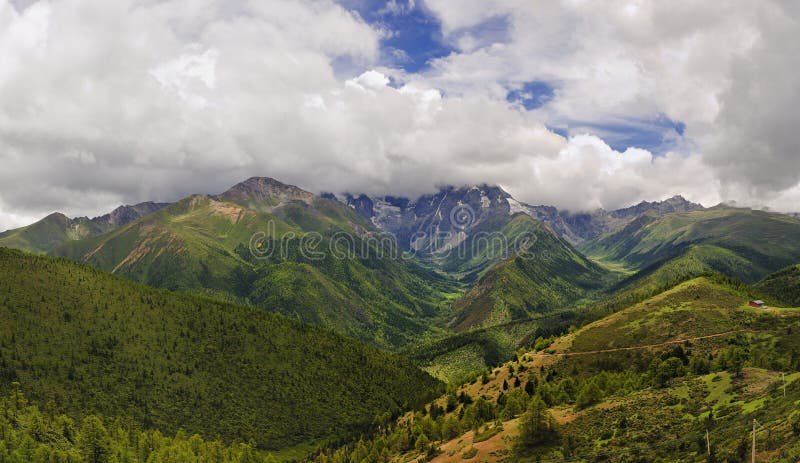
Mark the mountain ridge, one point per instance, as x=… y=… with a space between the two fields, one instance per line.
x=55 y=229
x=280 y=248
x=387 y=212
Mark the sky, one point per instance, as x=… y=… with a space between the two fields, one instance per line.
x=575 y=103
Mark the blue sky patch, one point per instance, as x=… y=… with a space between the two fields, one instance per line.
x=657 y=135
x=413 y=38
x=532 y=95
x=413 y=35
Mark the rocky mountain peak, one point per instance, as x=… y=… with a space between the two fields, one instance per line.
x=362 y=204
x=676 y=203
x=264 y=189
x=126 y=214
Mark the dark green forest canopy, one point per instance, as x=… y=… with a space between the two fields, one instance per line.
x=88 y=342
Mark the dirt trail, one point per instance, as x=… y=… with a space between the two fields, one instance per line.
x=648 y=346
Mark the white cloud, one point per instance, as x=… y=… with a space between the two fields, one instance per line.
x=184 y=73
x=157 y=100
x=588 y=174
x=371 y=79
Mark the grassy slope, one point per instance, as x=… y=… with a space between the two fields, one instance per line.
x=781 y=288
x=640 y=421
x=698 y=307
x=94 y=343
x=48 y=233
x=740 y=243
x=693 y=308
x=488 y=243
x=201 y=245
x=548 y=275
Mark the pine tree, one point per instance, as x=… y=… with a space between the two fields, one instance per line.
x=530 y=388
x=588 y=395
x=93 y=441
x=536 y=425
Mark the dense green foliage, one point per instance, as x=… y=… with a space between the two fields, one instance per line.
x=92 y=343
x=462 y=356
x=31 y=435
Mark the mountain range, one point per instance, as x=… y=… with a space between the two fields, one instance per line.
x=56 y=229
x=403 y=217
x=460 y=259
x=263 y=314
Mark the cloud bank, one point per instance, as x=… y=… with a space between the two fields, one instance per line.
x=103 y=103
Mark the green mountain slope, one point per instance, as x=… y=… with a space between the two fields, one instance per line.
x=48 y=233
x=781 y=288
x=88 y=342
x=740 y=243
x=282 y=249
x=696 y=307
x=647 y=383
x=486 y=244
x=546 y=275
x=57 y=229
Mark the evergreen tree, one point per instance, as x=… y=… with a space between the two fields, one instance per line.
x=589 y=394
x=530 y=388
x=536 y=425
x=93 y=441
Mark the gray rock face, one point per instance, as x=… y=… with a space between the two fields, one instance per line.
x=265 y=190
x=124 y=215
x=437 y=220
x=458 y=208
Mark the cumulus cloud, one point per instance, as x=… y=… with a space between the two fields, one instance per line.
x=755 y=146
x=588 y=174
x=160 y=99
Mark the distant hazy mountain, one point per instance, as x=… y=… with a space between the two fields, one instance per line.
x=742 y=243
x=124 y=215
x=582 y=226
x=56 y=229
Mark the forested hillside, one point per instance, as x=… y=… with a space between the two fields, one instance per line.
x=30 y=434
x=84 y=342
x=679 y=376
x=781 y=288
